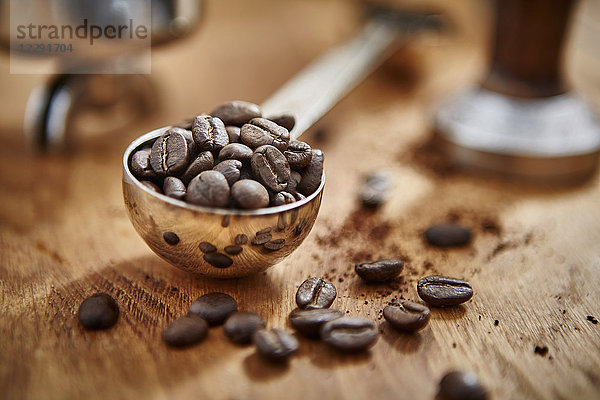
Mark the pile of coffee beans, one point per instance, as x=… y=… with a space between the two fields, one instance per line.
x=230 y=158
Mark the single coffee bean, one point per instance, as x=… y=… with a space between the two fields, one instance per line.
x=174 y=187
x=447 y=235
x=233 y=250
x=99 y=311
x=235 y=151
x=315 y=293
x=169 y=154
x=185 y=331
x=298 y=196
x=458 y=385
x=203 y=162
x=309 y=322
x=241 y=239
x=294 y=181
x=171 y=238
x=206 y=247
x=214 y=307
x=152 y=186
x=298 y=154
x=259 y=132
x=349 y=334
x=230 y=169
x=275 y=344
x=210 y=189
x=406 y=316
x=218 y=260
x=187 y=134
x=237 y=112
x=312 y=174
x=286 y=120
x=249 y=194
x=209 y=133
x=140 y=166
x=241 y=325
x=234 y=133
x=271 y=168
x=440 y=291
x=274 y=245
x=375 y=191
x=268 y=229
x=282 y=198
x=381 y=270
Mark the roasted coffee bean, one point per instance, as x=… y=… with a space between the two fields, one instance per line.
x=152 y=186
x=140 y=166
x=235 y=151
x=271 y=168
x=241 y=325
x=203 y=162
x=311 y=175
x=174 y=187
x=233 y=250
x=268 y=229
x=259 y=132
x=315 y=293
x=286 y=120
x=262 y=238
x=169 y=154
x=171 y=238
x=447 y=235
x=210 y=189
x=440 y=291
x=187 y=134
x=275 y=344
x=381 y=270
x=299 y=196
x=349 y=334
x=376 y=189
x=214 y=307
x=230 y=169
x=274 y=245
x=406 y=316
x=206 y=247
x=237 y=112
x=209 y=133
x=282 y=198
x=309 y=322
x=234 y=133
x=218 y=260
x=249 y=194
x=99 y=311
x=458 y=385
x=185 y=331
x=294 y=181
x=298 y=154
x=241 y=239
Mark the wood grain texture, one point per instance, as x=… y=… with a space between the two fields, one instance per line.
x=533 y=263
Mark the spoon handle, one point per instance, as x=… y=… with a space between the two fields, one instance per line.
x=318 y=87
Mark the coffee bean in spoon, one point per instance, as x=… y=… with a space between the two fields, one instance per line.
x=294 y=181
x=203 y=162
x=406 y=316
x=140 y=166
x=441 y=291
x=315 y=293
x=312 y=174
x=275 y=344
x=209 y=133
x=214 y=307
x=286 y=120
x=447 y=235
x=237 y=112
x=236 y=151
x=99 y=311
x=349 y=334
x=249 y=194
x=282 y=198
x=174 y=187
x=169 y=154
x=298 y=154
x=381 y=270
x=234 y=133
x=309 y=322
x=231 y=170
x=210 y=189
x=260 y=131
x=241 y=325
x=461 y=385
x=187 y=134
x=185 y=331
x=271 y=168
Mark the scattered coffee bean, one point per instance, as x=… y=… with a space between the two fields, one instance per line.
x=458 y=385
x=275 y=344
x=298 y=154
x=235 y=151
x=152 y=186
x=99 y=311
x=261 y=238
x=241 y=239
x=381 y=270
x=311 y=175
x=237 y=112
x=447 y=235
x=234 y=133
x=140 y=165
x=249 y=194
x=241 y=325
x=309 y=322
x=218 y=260
x=233 y=250
x=174 y=187
x=214 y=307
x=349 y=334
x=376 y=189
x=275 y=245
x=185 y=331
x=315 y=293
x=169 y=154
x=171 y=238
x=406 y=316
x=210 y=188
x=282 y=198
x=203 y=162
x=206 y=247
x=260 y=131
x=286 y=120
x=209 y=133
x=440 y=291
x=230 y=169
x=271 y=168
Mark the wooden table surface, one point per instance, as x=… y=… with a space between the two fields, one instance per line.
x=534 y=262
